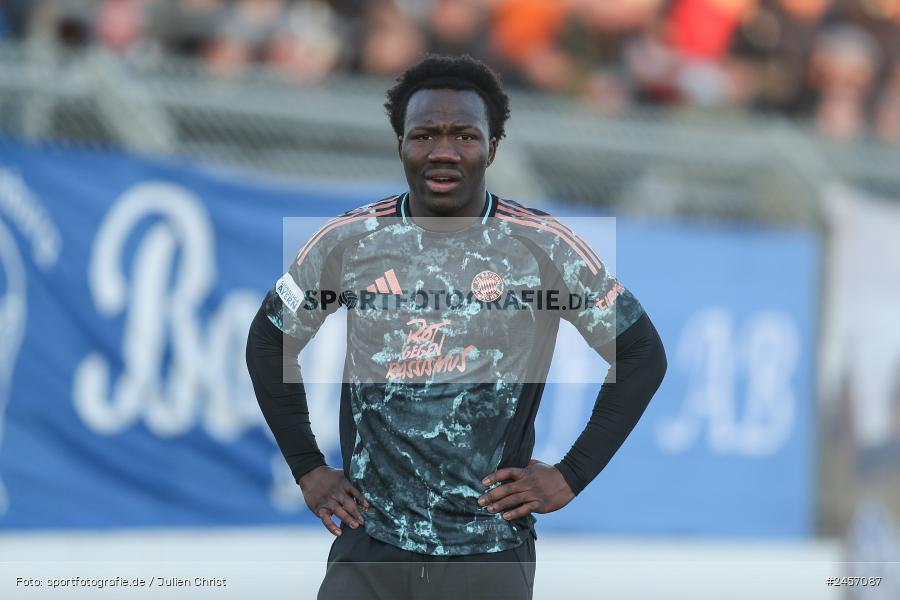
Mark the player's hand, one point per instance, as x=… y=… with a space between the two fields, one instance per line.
x=327 y=492
x=538 y=488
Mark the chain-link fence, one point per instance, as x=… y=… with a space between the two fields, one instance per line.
x=687 y=162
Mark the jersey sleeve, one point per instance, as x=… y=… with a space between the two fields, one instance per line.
x=597 y=303
x=308 y=292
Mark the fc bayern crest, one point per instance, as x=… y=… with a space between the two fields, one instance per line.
x=487 y=286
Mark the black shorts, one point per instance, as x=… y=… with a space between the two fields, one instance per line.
x=361 y=567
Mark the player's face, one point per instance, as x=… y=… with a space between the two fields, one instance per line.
x=445 y=151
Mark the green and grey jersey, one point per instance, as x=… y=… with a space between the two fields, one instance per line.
x=449 y=340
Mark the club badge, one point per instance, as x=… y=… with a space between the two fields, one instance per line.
x=487 y=286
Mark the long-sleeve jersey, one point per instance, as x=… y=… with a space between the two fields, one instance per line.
x=449 y=340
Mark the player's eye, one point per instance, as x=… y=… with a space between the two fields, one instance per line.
x=466 y=137
x=422 y=136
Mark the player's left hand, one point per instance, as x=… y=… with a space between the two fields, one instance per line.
x=538 y=488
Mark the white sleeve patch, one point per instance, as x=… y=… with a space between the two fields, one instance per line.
x=289 y=292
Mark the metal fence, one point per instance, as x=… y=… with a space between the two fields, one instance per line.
x=691 y=163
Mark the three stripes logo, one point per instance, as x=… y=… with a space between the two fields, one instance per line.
x=387 y=284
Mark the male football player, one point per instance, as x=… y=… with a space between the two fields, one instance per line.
x=453 y=298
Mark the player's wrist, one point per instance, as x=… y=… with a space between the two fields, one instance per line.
x=568 y=476
x=307 y=478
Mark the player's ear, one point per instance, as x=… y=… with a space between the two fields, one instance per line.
x=492 y=150
x=400 y=146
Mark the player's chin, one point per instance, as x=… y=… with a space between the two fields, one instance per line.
x=443 y=203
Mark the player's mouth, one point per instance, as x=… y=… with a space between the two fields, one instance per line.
x=442 y=182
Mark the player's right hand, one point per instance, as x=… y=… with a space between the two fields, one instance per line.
x=327 y=492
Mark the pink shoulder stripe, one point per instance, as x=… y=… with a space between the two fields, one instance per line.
x=512 y=208
x=375 y=205
x=379 y=209
x=547 y=227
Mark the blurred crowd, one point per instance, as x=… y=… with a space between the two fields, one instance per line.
x=836 y=62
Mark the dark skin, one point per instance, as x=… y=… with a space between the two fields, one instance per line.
x=445 y=149
x=538 y=488
x=446 y=137
x=329 y=494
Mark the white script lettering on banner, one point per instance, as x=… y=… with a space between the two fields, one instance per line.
x=12 y=324
x=20 y=207
x=204 y=379
x=739 y=384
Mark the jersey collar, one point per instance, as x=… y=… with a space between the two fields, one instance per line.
x=488 y=210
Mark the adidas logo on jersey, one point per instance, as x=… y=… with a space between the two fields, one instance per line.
x=387 y=284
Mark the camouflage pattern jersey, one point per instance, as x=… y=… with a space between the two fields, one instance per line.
x=449 y=340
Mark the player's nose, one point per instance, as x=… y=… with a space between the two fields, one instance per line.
x=443 y=151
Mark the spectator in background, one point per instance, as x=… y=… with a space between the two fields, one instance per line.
x=184 y=27
x=392 y=41
x=703 y=29
x=887 y=111
x=352 y=15
x=67 y=23
x=881 y=19
x=776 y=44
x=243 y=34
x=611 y=48
x=524 y=38
x=455 y=27
x=776 y=55
x=120 y=23
x=702 y=33
x=307 y=47
x=844 y=62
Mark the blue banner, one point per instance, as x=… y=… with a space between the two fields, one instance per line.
x=127 y=287
x=726 y=446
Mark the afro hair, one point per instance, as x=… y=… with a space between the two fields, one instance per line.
x=455 y=73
